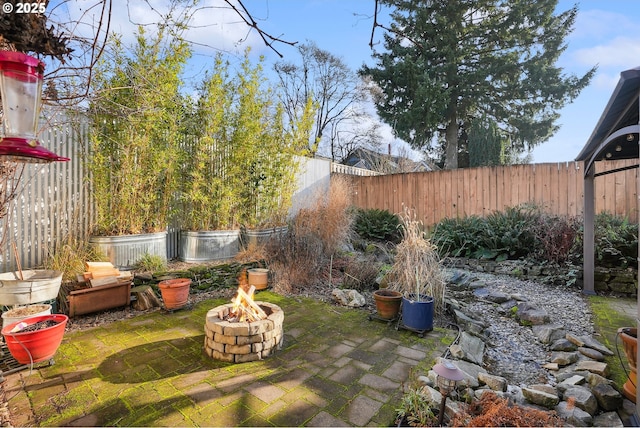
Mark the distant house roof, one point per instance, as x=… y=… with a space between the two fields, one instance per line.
x=369 y=159
x=616 y=133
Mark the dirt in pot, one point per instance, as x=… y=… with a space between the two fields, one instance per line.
x=41 y=325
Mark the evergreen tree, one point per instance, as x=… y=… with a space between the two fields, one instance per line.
x=484 y=144
x=448 y=61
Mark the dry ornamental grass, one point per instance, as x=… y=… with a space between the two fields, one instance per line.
x=416 y=269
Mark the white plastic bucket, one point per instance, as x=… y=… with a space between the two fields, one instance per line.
x=23 y=312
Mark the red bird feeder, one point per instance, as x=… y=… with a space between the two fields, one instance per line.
x=21 y=89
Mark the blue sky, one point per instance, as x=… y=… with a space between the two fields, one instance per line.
x=605 y=35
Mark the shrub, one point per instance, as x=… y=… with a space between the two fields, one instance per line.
x=509 y=234
x=615 y=239
x=69 y=257
x=360 y=274
x=241 y=167
x=300 y=256
x=150 y=263
x=493 y=411
x=458 y=237
x=136 y=133
x=415 y=409
x=527 y=231
x=377 y=225
x=500 y=236
x=555 y=237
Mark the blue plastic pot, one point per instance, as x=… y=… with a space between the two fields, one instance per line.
x=418 y=314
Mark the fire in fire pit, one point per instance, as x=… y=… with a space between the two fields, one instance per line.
x=244 y=308
x=244 y=330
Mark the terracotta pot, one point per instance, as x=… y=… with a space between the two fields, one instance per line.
x=175 y=292
x=629 y=338
x=387 y=303
x=35 y=346
x=258 y=277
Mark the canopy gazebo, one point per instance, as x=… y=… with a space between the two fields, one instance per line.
x=614 y=137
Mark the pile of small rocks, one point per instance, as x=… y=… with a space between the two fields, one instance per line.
x=531 y=343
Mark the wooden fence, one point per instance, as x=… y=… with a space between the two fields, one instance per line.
x=558 y=187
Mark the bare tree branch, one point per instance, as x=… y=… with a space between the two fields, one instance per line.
x=376 y=24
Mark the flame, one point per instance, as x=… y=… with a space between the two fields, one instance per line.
x=245 y=309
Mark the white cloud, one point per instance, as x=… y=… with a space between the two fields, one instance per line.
x=594 y=25
x=620 y=53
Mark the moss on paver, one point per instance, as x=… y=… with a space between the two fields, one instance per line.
x=607 y=320
x=152 y=370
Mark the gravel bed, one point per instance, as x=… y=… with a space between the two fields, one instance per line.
x=514 y=352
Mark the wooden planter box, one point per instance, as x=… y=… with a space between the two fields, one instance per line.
x=95 y=299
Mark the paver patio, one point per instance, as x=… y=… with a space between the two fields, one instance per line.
x=336 y=368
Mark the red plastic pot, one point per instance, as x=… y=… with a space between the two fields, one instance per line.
x=35 y=346
x=175 y=292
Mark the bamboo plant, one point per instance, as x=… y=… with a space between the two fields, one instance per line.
x=136 y=132
x=242 y=168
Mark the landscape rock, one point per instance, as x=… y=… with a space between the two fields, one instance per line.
x=528 y=313
x=541 y=398
x=431 y=395
x=451 y=409
x=480 y=292
x=495 y=383
x=582 y=398
x=508 y=306
x=573 y=415
x=596 y=367
x=548 y=333
x=468 y=323
x=608 y=397
x=573 y=380
x=458 y=277
x=456 y=352
x=594 y=379
x=349 y=297
x=542 y=357
x=497 y=297
x=591 y=353
x=592 y=343
x=563 y=345
x=608 y=419
x=576 y=340
x=564 y=358
x=472 y=347
x=425 y=380
x=544 y=388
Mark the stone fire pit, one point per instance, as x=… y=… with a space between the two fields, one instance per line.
x=239 y=342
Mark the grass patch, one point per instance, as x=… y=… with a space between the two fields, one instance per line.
x=607 y=320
